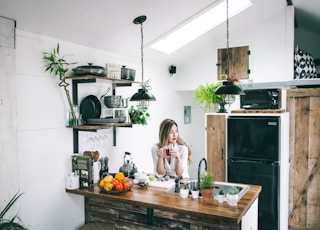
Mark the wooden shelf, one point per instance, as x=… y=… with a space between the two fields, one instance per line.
x=97 y=127
x=93 y=79
x=87 y=77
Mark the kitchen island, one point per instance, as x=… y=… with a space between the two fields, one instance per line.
x=153 y=208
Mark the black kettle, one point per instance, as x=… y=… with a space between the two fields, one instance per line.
x=128 y=168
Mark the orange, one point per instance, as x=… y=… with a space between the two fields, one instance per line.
x=101 y=183
x=120 y=176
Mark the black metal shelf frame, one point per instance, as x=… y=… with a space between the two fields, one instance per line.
x=75 y=82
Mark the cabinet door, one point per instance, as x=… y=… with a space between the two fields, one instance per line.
x=215 y=145
x=304 y=179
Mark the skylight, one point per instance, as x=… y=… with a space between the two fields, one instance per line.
x=200 y=25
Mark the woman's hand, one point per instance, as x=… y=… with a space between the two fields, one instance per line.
x=161 y=152
x=174 y=152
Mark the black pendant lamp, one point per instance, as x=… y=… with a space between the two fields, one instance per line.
x=228 y=87
x=143 y=96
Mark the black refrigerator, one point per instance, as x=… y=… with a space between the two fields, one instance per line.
x=253 y=152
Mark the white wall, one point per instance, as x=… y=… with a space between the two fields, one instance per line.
x=45 y=144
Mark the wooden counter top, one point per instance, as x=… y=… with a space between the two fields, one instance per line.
x=157 y=198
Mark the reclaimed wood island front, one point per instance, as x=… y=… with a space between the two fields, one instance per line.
x=153 y=208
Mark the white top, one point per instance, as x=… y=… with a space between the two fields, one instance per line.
x=170 y=167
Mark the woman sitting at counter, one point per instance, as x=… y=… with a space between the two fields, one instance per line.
x=171 y=155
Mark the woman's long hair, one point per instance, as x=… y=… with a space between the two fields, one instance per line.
x=164 y=131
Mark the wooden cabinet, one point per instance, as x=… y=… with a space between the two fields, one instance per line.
x=153 y=208
x=215 y=145
x=304 y=181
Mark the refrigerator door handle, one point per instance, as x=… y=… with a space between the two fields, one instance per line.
x=275 y=163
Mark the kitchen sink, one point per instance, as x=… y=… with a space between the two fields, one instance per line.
x=225 y=186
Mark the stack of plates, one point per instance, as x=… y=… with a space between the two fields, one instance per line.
x=102 y=121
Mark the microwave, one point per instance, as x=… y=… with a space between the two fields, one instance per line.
x=261 y=99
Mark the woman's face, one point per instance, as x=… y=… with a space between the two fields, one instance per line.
x=173 y=134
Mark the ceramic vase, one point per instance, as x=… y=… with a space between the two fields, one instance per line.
x=184 y=193
x=207 y=194
x=220 y=198
x=232 y=199
x=195 y=194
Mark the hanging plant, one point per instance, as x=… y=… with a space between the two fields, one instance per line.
x=204 y=97
x=139 y=115
x=58 y=66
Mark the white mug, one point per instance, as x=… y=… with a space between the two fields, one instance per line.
x=96 y=171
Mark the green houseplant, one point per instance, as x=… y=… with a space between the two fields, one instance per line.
x=221 y=196
x=204 y=97
x=207 y=180
x=58 y=66
x=139 y=115
x=233 y=196
x=195 y=192
x=10 y=224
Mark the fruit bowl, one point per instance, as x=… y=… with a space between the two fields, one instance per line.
x=117 y=184
x=102 y=190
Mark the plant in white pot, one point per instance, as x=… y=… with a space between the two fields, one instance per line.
x=59 y=67
x=221 y=196
x=195 y=192
x=233 y=196
x=184 y=191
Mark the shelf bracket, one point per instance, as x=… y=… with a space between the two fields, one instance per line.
x=75 y=141
x=114 y=136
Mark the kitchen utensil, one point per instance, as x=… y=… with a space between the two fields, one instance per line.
x=107 y=91
x=102 y=121
x=89 y=69
x=72 y=181
x=95 y=155
x=128 y=74
x=96 y=171
x=90 y=107
x=122 y=119
x=112 y=101
x=124 y=102
x=128 y=167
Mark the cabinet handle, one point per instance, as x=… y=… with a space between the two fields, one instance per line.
x=222 y=154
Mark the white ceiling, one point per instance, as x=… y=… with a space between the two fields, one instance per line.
x=107 y=24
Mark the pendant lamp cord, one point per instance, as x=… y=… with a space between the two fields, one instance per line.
x=142 y=52
x=227 y=43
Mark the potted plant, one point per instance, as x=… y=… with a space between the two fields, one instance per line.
x=6 y=224
x=59 y=67
x=233 y=196
x=139 y=115
x=184 y=191
x=221 y=196
x=195 y=192
x=204 y=97
x=207 y=185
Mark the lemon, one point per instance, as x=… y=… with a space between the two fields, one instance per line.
x=108 y=186
x=151 y=178
x=108 y=178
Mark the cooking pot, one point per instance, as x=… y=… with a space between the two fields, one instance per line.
x=112 y=101
x=89 y=69
x=124 y=102
x=128 y=74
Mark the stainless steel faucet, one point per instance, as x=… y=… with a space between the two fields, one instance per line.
x=199 y=167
